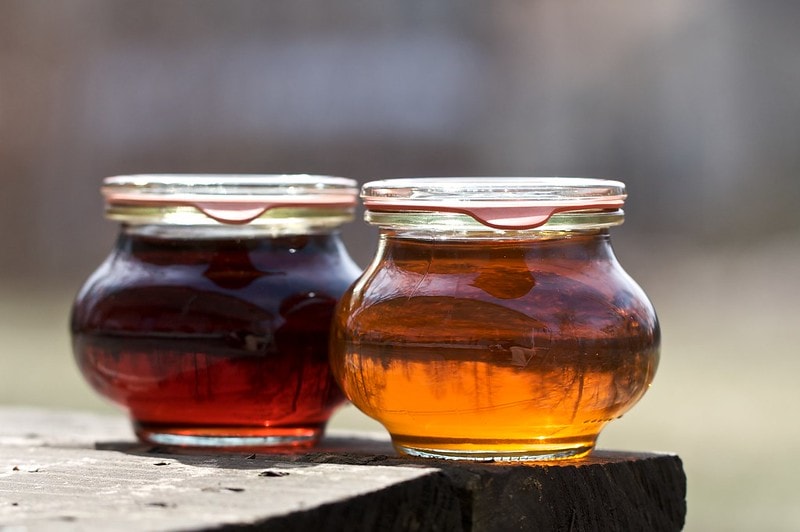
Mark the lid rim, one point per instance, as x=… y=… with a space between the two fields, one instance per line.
x=483 y=185
x=143 y=180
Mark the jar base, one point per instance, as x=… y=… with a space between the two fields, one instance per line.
x=492 y=451
x=245 y=439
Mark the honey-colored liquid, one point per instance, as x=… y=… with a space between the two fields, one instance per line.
x=505 y=351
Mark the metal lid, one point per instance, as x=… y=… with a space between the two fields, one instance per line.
x=227 y=199
x=504 y=203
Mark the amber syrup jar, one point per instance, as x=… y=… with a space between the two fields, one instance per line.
x=209 y=322
x=495 y=322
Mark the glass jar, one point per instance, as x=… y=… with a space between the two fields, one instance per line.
x=495 y=322
x=209 y=322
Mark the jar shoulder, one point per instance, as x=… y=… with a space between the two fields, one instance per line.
x=125 y=284
x=504 y=280
x=591 y=298
x=220 y=267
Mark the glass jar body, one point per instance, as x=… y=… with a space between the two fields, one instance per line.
x=498 y=349
x=212 y=338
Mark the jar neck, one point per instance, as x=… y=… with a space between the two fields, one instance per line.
x=592 y=245
x=226 y=251
x=221 y=231
x=491 y=236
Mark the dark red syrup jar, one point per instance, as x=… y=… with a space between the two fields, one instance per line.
x=209 y=321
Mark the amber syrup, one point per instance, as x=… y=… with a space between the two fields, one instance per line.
x=495 y=350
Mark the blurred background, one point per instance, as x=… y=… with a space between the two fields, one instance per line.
x=694 y=104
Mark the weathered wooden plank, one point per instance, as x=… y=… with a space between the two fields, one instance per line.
x=606 y=491
x=100 y=490
x=79 y=471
